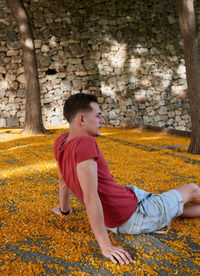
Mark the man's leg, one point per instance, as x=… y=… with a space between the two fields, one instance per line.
x=191 y=210
x=191 y=199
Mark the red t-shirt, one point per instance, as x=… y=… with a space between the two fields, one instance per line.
x=118 y=202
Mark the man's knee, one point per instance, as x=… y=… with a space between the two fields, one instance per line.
x=192 y=186
x=188 y=191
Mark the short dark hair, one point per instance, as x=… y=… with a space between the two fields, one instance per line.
x=79 y=102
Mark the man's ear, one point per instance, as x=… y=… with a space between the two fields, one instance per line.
x=82 y=119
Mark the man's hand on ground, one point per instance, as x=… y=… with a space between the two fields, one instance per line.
x=116 y=254
x=56 y=210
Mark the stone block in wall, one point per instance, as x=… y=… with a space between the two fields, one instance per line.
x=44 y=61
x=170 y=122
x=94 y=55
x=105 y=113
x=82 y=73
x=20 y=93
x=157 y=118
x=149 y=98
x=100 y=100
x=12 y=112
x=77 y=84
x=161 y=124
x=59 y=110
x=149 y=109
x=156 y=97
x=171 y=114
x=11 y=53
x=51 y=77
x=17 y=100
x=128 y=101
x=90 y=64
x=20 y=70
x=141 y=106
x=55 y=82
x=108 y=69
x=130 y=113
x=181 y=70
x=21 y=120
x=16 y=60
x=108 y=100
x=101 y=69
x=2 y=92
x=178 y=119
x=152 y=113
x=131 y=123
x=180 y=128
x=3 y=105
x=147 y=120
x=117 y=71
x=21 y=78
x=55 y=121
x=2 y=122
x=12 y=121
x=12 y=99
x=114 y=122
x=10 y=77
x=134 y=107
x=74 y=61
x=186 y=117
x=2 y=70
x=13 y=85
x=122 y=108
x=7 y=61
x=61 y=75
x=20 y=113
x=4 y=49
x=141 y=51
x=164 y=118
x=37 y=43
x=112 y=115
x=76 y=49
x=13 y=45
x=112 y=81
x=178 y=112
x=66 y=85
x=163 y=110
x=182 y=123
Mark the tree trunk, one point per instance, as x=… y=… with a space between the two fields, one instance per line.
x=192 y=61
x=33 y=117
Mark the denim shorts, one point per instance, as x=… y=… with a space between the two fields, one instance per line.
x=153 y=212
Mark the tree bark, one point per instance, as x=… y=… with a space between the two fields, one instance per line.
x=192 y=61
x=33 y=116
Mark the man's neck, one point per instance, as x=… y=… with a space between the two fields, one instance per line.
x=75 y=133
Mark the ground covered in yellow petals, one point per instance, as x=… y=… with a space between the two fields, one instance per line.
x=34 y=241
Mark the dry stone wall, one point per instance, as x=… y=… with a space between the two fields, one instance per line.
x=127 y=53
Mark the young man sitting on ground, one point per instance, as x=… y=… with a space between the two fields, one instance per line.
x=109 y=206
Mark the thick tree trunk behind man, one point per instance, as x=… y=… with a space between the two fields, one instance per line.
x=192 y=62
x=33 y=116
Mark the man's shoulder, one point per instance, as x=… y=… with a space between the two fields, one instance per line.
x=61 y=137
x=86 y=140
x=86 y=148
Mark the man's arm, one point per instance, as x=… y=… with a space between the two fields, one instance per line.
x=63 y=196
x=87 y=175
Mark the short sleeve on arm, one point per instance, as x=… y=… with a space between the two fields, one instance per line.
x=87 y=149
